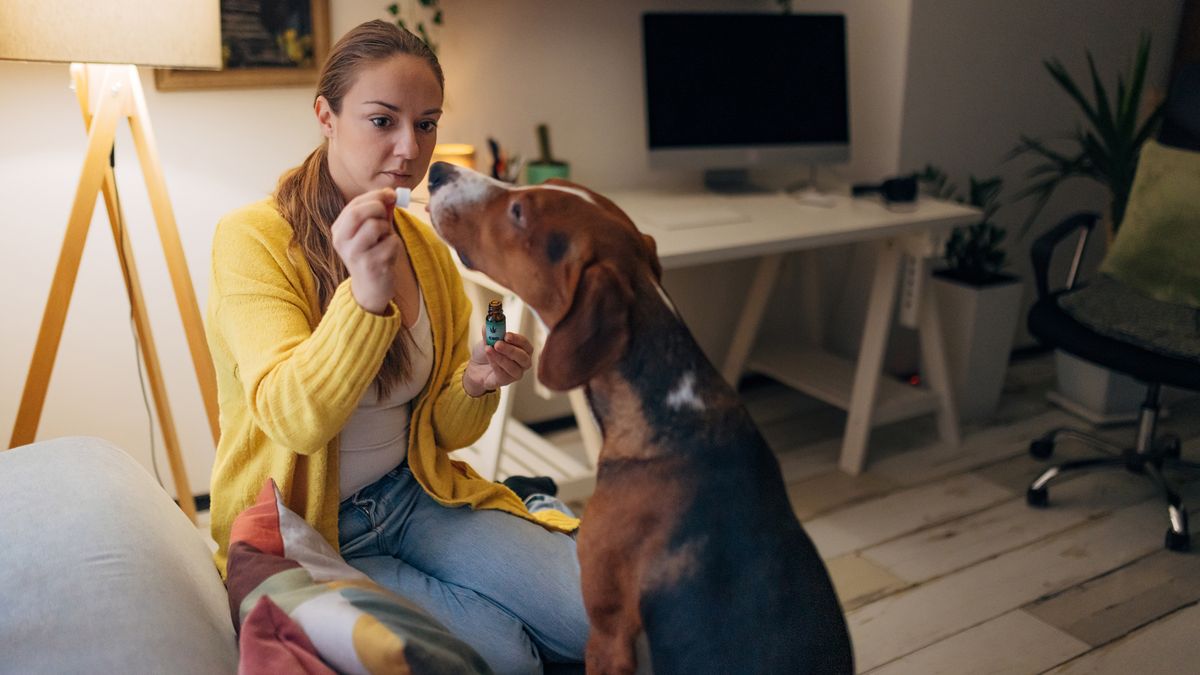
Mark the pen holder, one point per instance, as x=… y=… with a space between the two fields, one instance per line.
x=545 y=167
x=539 y=173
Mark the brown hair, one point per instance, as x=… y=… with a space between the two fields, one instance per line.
x=307 y=197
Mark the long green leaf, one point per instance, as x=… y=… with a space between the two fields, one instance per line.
x=1032 y=145
x=1124 y=121
x=1060 y=74
x=1104 y=115
x=1139 y=77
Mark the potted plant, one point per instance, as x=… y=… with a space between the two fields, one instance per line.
x=1105 y=150
x=979 y=302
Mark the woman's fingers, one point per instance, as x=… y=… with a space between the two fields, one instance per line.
x=507 y=370
x=517 y=349
x=363 y=238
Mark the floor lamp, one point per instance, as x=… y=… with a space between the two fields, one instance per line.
x=103 y=41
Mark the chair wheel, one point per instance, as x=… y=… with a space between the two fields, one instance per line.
x=1037 y=497
x=1179 y=542
x=1041 y=448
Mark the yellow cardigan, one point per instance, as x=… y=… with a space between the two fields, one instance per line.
x=288 y=378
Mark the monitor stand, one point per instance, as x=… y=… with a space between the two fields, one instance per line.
x=730 y=181
x=807 y=192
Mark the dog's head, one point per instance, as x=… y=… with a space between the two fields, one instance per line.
x=569 y=253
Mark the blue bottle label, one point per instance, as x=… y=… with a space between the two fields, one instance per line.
x=494 y=331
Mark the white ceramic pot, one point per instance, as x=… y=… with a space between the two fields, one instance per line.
x=1095 y=393
x=978 y=323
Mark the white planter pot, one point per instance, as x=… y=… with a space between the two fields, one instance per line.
x=978 y=323
x=1095 y=393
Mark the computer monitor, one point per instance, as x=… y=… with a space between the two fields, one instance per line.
x=726 y=92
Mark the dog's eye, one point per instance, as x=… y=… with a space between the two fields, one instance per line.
x=516 y=213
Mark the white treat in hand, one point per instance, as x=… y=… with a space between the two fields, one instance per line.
x=403 y=197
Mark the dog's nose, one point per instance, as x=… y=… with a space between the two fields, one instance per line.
x=439 y=174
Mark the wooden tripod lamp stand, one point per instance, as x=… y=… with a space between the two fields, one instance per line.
x=103 y=41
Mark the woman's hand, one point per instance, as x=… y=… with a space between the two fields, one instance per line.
x=365 y=239
x=493 y=367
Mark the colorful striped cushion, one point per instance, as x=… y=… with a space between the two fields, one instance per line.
x=353 y=624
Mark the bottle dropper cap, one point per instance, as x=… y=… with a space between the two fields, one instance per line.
x=403 y=197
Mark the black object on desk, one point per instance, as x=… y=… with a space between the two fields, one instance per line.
x=899 y=189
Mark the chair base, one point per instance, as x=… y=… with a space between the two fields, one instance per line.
x=1148 y=459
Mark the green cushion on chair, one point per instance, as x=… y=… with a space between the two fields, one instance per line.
x=1157 y=250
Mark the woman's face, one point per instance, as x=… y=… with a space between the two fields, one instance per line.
x=386 y=131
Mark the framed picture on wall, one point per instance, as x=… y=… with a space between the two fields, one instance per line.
x=264 y=43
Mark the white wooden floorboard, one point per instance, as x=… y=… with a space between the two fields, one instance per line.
x=558 y=463
x=1169 y=645
x=1015 y=643
x=946 y=548
x=514 y=464
x=903 y=623
x=989 y=445
x=808 y=461
x=859 y=526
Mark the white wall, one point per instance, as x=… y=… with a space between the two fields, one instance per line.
x=577 y=66
x=574 y=64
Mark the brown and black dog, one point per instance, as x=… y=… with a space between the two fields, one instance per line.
x=689 y=536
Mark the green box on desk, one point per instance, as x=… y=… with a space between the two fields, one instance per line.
x=540 y=172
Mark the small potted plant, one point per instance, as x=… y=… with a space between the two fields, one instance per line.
x=979 y=302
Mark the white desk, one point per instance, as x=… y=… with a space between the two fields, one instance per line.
x=767 y=227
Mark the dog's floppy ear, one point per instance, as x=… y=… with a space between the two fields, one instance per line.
x=594 y=332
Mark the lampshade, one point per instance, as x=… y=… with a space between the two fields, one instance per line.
x=163 y=33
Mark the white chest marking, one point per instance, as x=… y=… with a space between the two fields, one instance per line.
x=684 y=394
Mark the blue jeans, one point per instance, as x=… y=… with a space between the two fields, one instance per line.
x=504 y=585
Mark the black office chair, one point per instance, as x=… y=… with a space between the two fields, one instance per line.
x=1114 y=325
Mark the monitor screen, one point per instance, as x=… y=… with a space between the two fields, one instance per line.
x=739 y=90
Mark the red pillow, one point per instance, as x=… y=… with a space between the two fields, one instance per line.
x=272 y=643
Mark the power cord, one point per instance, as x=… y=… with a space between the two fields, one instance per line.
x=137 y=345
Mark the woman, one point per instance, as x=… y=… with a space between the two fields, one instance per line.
x=338 y=326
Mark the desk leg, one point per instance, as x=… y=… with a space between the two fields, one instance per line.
x=933 y=359
x=750 y=318
x=870 y=359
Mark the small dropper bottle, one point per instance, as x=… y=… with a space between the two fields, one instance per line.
x=494 y=324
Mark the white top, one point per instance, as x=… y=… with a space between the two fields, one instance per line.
x=375 y=438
